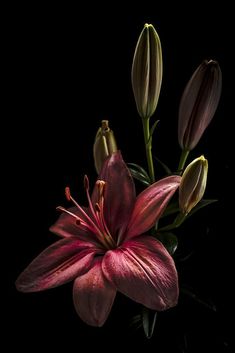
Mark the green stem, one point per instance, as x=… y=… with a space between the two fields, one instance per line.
x=177 y=222
x=183 y=158
x=148 y=148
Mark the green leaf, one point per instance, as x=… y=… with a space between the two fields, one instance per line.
x=171 y=209
x=169 y=240
x=185 y=257
x=152 y=131
x=164 y=166
x=139 y=173
x=195 y=296
x=149 y=320
x=136 y=322
x=139 y=177
x=139 y=169
x=154 y=127
x=201 y=204
x=180 y=218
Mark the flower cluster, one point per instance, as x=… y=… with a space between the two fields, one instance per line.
x=115 y=242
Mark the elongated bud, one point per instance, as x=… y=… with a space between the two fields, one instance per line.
x=104 y=145
x=198 y=103
x=193 y=184
x=147 y=71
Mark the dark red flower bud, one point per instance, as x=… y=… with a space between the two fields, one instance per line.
x=198 y=103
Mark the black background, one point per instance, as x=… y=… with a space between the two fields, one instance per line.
x=67 y=69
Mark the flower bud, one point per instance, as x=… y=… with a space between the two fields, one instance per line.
x=193 y=184
x=104 y=145
x=147 y=71
x=198 y=103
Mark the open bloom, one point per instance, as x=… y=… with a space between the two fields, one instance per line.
x=199 y=103
x=105 y=248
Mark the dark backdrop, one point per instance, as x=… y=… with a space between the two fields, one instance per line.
x=67 y=69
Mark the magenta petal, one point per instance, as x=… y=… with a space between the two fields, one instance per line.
x=143 y=270
x=66 y=225
x=93 y=296
x=150 y=204
x=59 y=263
x=119 y=193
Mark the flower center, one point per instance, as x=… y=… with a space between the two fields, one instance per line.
x=95 y=222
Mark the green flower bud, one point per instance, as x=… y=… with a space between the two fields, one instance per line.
x=104 y=145
x=147 y=71
x=193 y=184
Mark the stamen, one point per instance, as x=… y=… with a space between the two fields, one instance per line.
x=100 y=209
x=86 y=183
x=101 y=187
x=97 y=207
x=95 y=224
x=79 y=221
x=62 y=209
x=94 y=228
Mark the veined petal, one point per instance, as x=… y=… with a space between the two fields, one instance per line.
x=119 y=196
x=59 y=263
x=150 y=204
x=143 y=270
x=93 y=295
x=66 y=225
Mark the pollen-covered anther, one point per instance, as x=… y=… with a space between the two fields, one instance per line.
x=101 y=187
x=97 y=207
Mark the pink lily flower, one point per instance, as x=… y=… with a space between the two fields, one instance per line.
x=105 y=248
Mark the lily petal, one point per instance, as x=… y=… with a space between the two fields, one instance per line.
x=150 y=204
x=119 y=194
x=93 y=296
x=143 y=270
x=66 y=225
x=59 y=263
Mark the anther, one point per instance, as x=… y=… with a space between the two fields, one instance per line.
x=97 y=207
x=101 y=186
